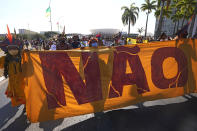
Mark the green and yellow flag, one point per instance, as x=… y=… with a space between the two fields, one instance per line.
x=48 y=11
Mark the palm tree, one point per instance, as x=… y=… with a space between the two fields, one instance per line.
x=166 y=12
x=159 y=28
x=174 y=18
x=187 y=8
x=130 y=15
x=176 y=15
x=192 y=23
x=167 y=5
x=140 y=30
x=179 y=16
x=148 y=6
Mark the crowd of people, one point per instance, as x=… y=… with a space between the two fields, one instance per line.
x=62 y=42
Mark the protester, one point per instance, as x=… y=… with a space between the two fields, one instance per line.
x=129 y=42
x=84 y=42
x=12 y=69
x=163 y=37
x=93 y=42
x=121 y=41
x=169 y=38
x=27 y=44
x=75 y=43
x=53 y=46
x=139 y=39
x=182 y=33
x=62 y=45
x=104 y=41
x=99 y=41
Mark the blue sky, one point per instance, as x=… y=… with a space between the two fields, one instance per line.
x=78 y=16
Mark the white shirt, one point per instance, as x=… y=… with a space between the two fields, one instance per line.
x=53 y=47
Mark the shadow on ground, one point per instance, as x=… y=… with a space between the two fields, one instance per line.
x=172 y=117
x=50 y=125
x=20 y=123
x=6 y=113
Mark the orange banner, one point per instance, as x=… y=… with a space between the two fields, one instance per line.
x=68 y=83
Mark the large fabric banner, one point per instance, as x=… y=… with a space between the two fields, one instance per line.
x=68 y=83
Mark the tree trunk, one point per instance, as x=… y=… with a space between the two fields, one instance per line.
x=174 y=27
x=146 y=24
x=159 y=28
x=177 y=26
x=183 y=22
x=195 y=31
x=192 y=23
x=129 y=27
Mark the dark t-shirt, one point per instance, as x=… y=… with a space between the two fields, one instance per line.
x=62 y=47
x=76 y=44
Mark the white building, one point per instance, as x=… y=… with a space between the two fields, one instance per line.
x=105 y=31
x=43 y=32
x=25 y=31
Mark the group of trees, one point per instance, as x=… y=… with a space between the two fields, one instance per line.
x=36 y=36
x=44 y=36
x=178 y=11
x=30 y=36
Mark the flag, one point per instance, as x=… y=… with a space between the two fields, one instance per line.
x=63 y=32
x=48 y=11
x=9 y=36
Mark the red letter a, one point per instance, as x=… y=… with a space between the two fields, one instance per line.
x=120 y=78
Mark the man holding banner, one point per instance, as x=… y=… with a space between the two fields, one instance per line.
x=13 y=69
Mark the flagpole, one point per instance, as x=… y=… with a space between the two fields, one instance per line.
x=50 y=14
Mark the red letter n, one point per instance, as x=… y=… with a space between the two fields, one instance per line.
x=58 y=64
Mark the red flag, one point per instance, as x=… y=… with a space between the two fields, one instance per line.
x=9 y=36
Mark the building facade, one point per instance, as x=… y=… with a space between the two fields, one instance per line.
x=25 y=31
x=105 y=31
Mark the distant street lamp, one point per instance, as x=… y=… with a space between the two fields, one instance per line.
x=58 y=23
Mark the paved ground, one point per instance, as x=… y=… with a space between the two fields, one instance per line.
x=175 y=114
